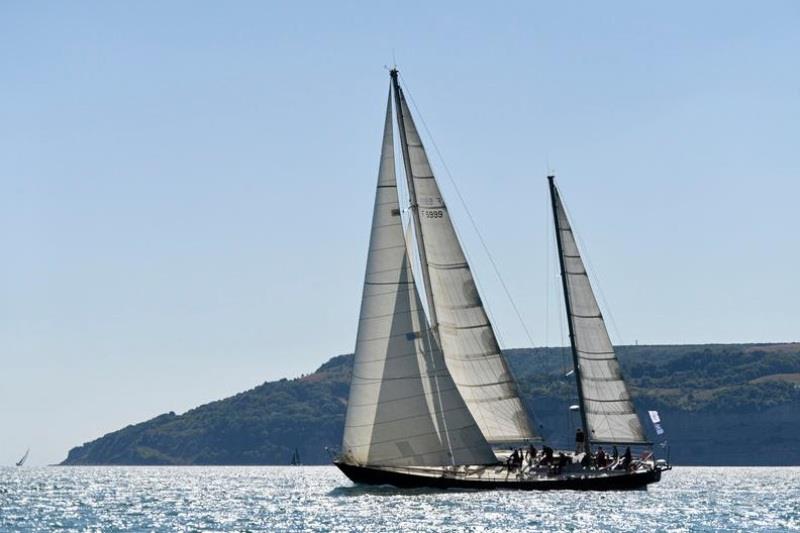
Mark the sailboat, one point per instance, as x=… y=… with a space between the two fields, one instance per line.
x=24 y=457
x=432 y=401
x=295 y=460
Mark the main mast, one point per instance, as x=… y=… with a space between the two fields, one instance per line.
x=413 y=206
x=568 y=304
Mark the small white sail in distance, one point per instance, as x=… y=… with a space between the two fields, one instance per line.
x=24 y=457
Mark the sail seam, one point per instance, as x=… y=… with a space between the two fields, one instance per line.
x=590 y=378
x=591 y=352
x=373 y=443
x=448 y=266
x=401 y=419
x=444 y=325
x=494 y=384
x=375 y=317
x=387 y=225
x=401 y=399
x=471 y=358
x=392 y=357
x=377 y=294
x=393 y=247
x=381 y=338
x=401 y=378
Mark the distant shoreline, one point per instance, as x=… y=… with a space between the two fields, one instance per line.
x=721 y=405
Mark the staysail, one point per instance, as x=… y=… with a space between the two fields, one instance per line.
x=404 y=408
x=608 y=412
x=461 y=324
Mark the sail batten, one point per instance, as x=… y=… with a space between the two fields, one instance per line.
x=608 y=412
x=457 y=314
x=404 y=409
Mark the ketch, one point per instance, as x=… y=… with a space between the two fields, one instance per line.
x=432 y=400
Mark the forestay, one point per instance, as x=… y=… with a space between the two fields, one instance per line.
x=610 y=414
x=470 y=348
x=404 y=408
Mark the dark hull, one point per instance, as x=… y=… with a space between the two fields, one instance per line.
x=377 y=476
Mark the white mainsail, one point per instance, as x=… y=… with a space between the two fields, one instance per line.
x=404 y=408
x=465 y=334
x=609 y=411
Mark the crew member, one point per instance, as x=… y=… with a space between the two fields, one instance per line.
x=580 y=441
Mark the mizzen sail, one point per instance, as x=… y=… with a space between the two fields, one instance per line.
x=404 y=408
x=462 y=325
x=609 y=414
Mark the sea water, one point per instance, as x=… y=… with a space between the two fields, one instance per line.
x=111 y=499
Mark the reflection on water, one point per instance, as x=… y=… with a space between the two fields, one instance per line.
x=321 y=499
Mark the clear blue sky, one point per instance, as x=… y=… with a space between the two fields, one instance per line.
x=186 y=187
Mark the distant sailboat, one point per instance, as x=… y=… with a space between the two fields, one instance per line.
x=24 y=457
x=295 y=461
x=432 y=400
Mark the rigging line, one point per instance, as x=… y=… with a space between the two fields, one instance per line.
x=469 y=215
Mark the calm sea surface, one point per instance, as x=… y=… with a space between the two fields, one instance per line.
x=320 y=499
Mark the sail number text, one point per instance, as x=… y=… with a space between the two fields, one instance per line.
x=433 y=213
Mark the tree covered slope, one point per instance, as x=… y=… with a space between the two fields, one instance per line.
x=734 y=404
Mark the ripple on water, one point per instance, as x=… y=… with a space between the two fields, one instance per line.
x=321 y=499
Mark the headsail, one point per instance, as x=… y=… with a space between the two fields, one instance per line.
x=470 y=347
x=609 y=414
x=404 y=408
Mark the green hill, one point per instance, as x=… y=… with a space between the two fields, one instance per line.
x=734 y=404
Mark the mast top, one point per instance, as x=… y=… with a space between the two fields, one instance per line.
x=393 y=72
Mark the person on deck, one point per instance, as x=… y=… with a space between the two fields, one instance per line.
x=614 y=453
x=563 y=460
x=547 y=452
x=513 y=460
x=586 y=460
x=531 y=454
x=601 y=458
x=580 y=441
x=627 y=459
